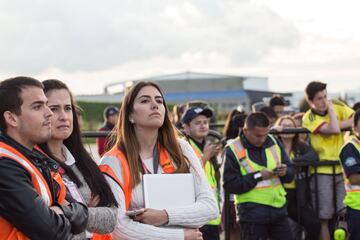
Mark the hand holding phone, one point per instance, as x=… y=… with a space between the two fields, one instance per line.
x=280 y=170
x=133 y=213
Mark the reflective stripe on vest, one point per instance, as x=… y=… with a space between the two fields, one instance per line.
x=352 y=198
x=210 y=175
x=266 y=192
x=8 y=231
x=58 y=179
x=164 y=160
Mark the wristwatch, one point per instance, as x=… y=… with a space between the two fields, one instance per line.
x=258 y=176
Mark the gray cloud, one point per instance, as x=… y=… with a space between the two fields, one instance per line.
x=85 y=35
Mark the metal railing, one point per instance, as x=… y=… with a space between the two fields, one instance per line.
x=227 y=203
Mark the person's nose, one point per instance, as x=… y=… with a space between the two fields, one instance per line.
x=63 y=116
x=154 y=105
x=48 y=112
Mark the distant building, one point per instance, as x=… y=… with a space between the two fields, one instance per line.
x=223 y=92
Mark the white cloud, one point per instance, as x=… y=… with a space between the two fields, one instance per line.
x=92 y=37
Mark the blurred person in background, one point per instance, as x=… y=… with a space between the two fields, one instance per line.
x=270 y=113
x=325 y=119
x=196 y=127
x=111 y=114
x=277 y=103
x=177 y=112
x=298 y=196
x=81 y=174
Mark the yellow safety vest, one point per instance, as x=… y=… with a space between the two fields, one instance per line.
x=352 y=198
x=266 y=192
x=210 y=175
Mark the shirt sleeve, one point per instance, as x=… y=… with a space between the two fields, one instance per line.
x=234 y=181
x=312 y=122
x=350 y=159
x=346 y=112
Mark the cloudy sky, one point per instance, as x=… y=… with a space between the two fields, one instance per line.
x=88 y=44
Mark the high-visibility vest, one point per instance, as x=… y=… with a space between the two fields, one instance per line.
x=210 y=175
x=352 y=198
x=164 y=160
x=8 y=231
x=267 y=192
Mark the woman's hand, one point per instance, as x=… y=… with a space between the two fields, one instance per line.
x=152 y=217
x=192 y=234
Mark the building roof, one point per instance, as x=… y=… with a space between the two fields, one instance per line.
x=206 y=96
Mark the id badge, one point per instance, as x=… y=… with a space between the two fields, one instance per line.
x=74 y=191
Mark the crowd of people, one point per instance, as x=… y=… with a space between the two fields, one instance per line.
x=51 y=188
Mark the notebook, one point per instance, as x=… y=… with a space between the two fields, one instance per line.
x=163 y=191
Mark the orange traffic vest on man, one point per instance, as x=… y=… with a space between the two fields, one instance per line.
x=126 y=186
x=8 y=231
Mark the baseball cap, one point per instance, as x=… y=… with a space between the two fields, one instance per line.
x=193 y=112
x=110 y=110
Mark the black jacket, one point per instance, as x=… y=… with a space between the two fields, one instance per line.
x=21 y=205
x=236 y=183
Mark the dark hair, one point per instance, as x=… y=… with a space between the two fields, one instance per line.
x=356 y=117
x=237 y=121
x=257 y=119
x=10 y=96
x=356 y=106
x=269 y=111
x=87 y=166
x=127 y=142
x=313 y=88
x=277 y=100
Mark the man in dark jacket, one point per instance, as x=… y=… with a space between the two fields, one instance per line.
x=29 y=194
x=255 y=167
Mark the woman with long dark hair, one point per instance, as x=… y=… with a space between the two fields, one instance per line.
x=81 y=174
x=146 y=138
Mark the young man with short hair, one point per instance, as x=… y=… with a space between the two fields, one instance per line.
x=196 y=126
x=256 y=165
x=31 y=189
x=325 y=120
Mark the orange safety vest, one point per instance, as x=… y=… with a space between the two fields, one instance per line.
x=165 y=163
x=8 y=231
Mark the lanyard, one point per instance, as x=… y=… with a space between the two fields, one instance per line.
x=156 y=162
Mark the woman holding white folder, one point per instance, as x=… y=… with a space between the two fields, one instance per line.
x=147 y=143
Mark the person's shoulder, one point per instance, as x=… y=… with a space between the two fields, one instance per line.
x=310 y=117
x=184 y=144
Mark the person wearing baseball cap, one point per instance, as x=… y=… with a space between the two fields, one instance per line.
x=195 y=122
x=110 y=118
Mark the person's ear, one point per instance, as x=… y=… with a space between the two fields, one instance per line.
x=11 y=119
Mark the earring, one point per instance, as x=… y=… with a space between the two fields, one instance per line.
x=132 y=120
